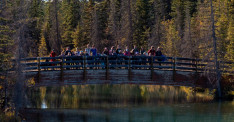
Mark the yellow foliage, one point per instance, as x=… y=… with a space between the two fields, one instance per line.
x=63 y=90
x=42 y=50
x=143 y=89
x=31 y=82
x=43 y=92
x=172 y=37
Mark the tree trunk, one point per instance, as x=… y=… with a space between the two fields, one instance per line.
x=130 y=24
x=57 y=26
x=218 y=75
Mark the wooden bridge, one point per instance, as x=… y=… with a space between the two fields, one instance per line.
x=47 y=71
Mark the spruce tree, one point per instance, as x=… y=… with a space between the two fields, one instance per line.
x=229 y=56
x=78 y=38
x=35 y=14
x=71 y=17
x=87 y=21
x=140 y=36
x=113 y=23
x=6 y=42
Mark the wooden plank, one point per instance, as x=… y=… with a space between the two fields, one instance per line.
x=190 y=64
x=186 y=59
x=186 y=68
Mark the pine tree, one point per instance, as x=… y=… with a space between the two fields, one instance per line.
x=87 y=21
x=126 y=23
x=203 y=30
x=113 y=27
x=230 y=33
x=100 y=20
x=141 y=21
x=6 y=42
x=221 y=23
x=157 y=14
x=71 y=17
x=42 y=50
x=78 y=38
x=51 y=27
x=178 y=14
x=188 y=46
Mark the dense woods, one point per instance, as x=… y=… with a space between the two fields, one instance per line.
x=183 y=28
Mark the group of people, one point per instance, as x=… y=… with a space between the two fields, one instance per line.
x=92 y=51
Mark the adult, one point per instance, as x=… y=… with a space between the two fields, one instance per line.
x=152 y=51
x=77 y=52
x=127 y=52
x=159 y=53
x=142 y=50
x=93 y=50
x=67 y=51
x=52 y=54
x=62 y=54
x=134 y=49
x=118 y=50
x=112 y=51
x=77 y=57
x=87 y=50
x=106 y=51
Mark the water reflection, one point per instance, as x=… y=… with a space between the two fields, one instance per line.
x=122 y=103
x=158 y=113
x=43 y=105
x=83 y=96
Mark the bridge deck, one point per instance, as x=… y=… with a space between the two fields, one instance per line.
x=120 y=70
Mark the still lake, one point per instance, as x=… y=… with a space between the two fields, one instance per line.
x=125 y=103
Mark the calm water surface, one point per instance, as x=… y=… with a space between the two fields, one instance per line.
x=125 y=103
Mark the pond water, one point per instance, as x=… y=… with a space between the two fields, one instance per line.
x=124 y=103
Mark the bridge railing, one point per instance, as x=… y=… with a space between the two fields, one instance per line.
x=122 y=62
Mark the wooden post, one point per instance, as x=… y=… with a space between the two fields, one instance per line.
x=174 y=68
x=196 y=73
x=84 y=72
x=196 y=63
x=61 y=68
x=152 y=67
x=39 y=68
x=107 y=68
x=129 y=68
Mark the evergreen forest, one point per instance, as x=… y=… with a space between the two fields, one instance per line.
x=183 y=28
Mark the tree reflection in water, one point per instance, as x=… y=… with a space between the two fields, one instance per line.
x=124 y=103
x=85 y=96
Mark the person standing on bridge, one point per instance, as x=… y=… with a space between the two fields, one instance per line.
x=112 y=51
x=159 y=54
x=105 y=52
x=134 y=50
x=152 y=51
x=142 y=50
x=127 y=52
x=77 y=52
x=52 y=54
x=93 y=51
x=118 y=50
x=67 y=51
x=87 y=50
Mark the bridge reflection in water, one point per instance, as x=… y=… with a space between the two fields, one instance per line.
x=121 y=70
x=123 y=103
